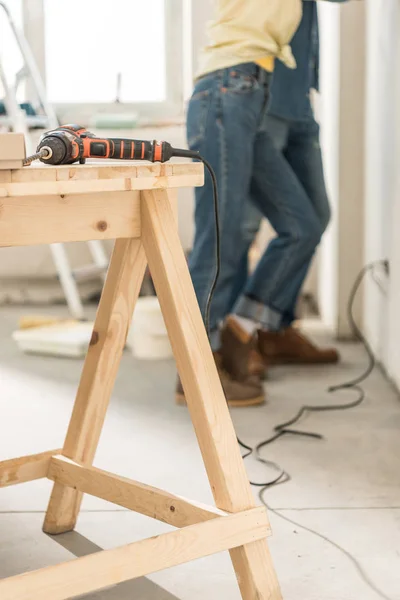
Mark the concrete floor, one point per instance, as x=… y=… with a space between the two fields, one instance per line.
x=346 y=487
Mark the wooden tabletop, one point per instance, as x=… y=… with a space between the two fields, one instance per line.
x=104 y=176
x=47 y=204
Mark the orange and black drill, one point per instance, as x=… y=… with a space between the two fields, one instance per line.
x=72 y=143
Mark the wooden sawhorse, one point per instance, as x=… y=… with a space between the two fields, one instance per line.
x=135 y=204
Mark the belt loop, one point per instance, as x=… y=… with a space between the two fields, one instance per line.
x=264 y=76
x=224 y=77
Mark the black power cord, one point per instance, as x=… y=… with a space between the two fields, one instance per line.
x=285 y=428
x=354 y=385
x=282 y=476
x=217 y=242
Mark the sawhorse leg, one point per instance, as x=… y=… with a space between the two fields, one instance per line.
x=205 y=398
x=121 y=289
x=204 y=395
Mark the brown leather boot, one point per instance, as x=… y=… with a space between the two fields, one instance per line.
x=290 y=346
x=247 y=392
x=240 y=355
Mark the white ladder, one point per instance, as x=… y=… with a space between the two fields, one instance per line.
x=17 y=120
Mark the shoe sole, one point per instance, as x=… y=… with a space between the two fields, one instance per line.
x=257 y=401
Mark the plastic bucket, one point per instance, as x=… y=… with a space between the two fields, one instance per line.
x=148 y=337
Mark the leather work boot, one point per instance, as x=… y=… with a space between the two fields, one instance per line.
x=240 y=355
x=290 y=346
x=247 y=392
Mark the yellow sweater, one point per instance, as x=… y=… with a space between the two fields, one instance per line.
x=250 y=31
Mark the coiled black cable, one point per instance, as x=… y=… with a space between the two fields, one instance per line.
x=286 y=428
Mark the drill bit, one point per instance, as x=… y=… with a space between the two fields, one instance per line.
x=43 y=153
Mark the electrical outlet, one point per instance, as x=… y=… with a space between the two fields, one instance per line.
x=386 y=267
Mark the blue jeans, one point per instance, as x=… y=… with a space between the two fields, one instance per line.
x=226 y=123
x=298 y=143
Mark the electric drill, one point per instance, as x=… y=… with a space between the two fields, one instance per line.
x=71 y=143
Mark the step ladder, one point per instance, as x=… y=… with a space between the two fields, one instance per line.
x=16 y=120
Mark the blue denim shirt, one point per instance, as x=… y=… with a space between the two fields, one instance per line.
x=290 y=90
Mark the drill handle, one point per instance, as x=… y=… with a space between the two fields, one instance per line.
x=131 y=149
x=119 y=148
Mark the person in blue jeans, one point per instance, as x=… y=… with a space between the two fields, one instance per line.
x=267 y=159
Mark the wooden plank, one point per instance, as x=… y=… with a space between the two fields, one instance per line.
x=255 y=571
x=104 y=170
x=121 y=289
x=91 y=186
x=25 y=468
x=48 y=219
x=204 y=395
x=141 y=498
x=84 y=179
x=12 y=147
x=103 y=569
x=173 y=200
x=5 y=176
x=5 y=165
x=205 y=398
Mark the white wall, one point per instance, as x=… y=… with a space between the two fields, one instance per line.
x=366 y=223
x=382 y=33
x=392 y=348
x=328 y=113
x=382 y=317
x=363 y=148
x=342 y=120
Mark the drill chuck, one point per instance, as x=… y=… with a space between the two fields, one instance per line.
x=58 y=151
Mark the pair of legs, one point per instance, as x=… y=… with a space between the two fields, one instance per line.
x=301 y=160
x=227 y=123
